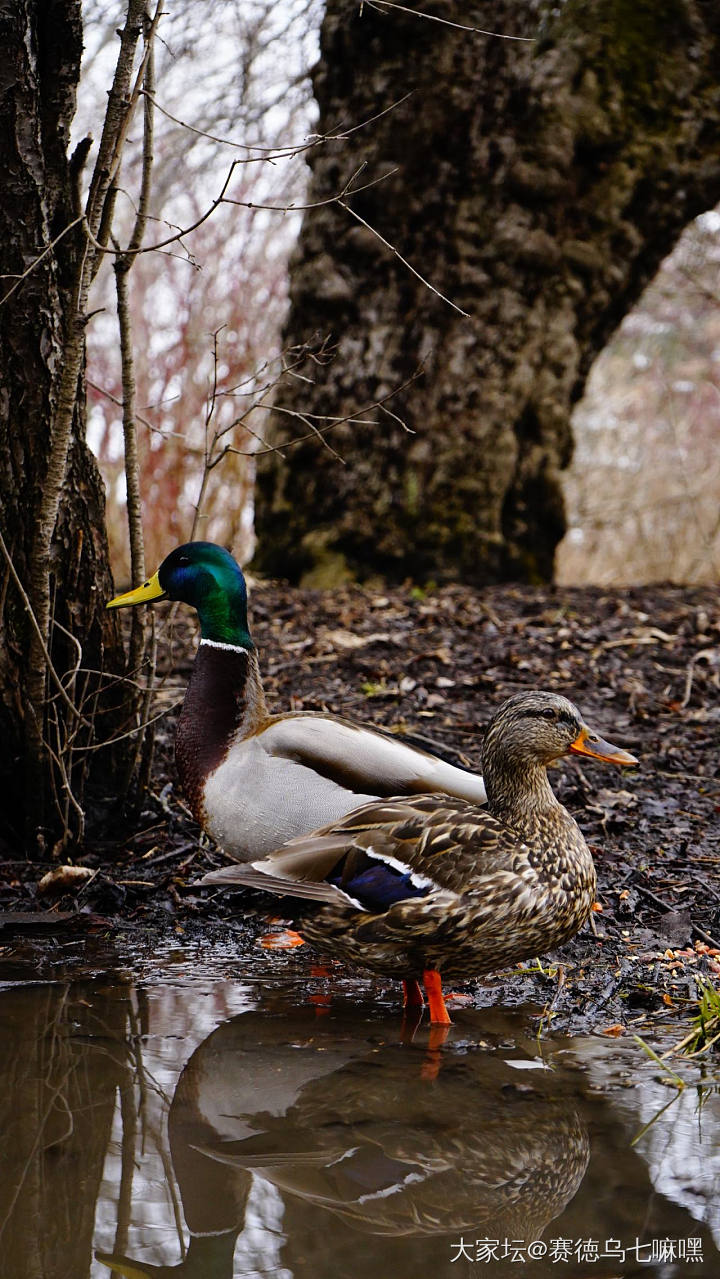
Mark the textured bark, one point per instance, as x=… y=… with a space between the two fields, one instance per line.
x=539 y=186
x=42 y=45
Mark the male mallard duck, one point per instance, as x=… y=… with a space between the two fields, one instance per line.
x=436 y=888
x=255 y=780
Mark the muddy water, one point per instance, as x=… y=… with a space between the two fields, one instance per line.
x=169 y=1119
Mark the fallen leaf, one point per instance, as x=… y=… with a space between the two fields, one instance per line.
x=349 y=639
x=62 y=877
x=616 y=799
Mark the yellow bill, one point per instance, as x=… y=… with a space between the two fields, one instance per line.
x=145 y=594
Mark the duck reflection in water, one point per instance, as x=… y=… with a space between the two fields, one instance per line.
x=350 y=1126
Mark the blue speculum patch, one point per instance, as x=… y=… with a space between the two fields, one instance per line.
x=377 y=885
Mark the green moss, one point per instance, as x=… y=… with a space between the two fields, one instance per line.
x=412 y=492
x=641 y=47
x=323 y=566
x=330 y=569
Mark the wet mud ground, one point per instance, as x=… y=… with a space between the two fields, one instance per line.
x=642 y=664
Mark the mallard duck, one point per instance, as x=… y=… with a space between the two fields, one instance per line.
x=435 y=888
x=255 y=780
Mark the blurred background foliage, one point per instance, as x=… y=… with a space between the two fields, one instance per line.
x=207 y=312
x=643 y=490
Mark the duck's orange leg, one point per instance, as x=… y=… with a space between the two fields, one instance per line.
x=433 y=989
x=412 y=994
x=433 y=1057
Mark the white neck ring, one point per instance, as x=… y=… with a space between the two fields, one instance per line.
x=230 y=648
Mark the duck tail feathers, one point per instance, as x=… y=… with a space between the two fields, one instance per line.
x=251 y=875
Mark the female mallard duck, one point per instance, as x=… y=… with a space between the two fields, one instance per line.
x=436 y=888
x=255 y=780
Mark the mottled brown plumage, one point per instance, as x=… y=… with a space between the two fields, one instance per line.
x=504 y=883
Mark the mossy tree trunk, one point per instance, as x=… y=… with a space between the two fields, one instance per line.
x=538 y=185
x=42 y=44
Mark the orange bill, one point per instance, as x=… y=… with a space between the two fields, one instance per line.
x=588 y=743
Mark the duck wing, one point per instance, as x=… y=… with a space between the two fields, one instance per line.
x=364 y=760
x=386 y=851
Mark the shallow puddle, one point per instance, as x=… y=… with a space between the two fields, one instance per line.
x=169 y=1120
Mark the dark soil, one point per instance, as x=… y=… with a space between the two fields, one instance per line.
x=643 y=665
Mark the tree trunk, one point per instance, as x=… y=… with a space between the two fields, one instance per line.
x=56 y=1110
x=42 y=44
x=538 y=186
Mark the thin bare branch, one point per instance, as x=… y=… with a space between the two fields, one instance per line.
x=404 y=261
x=137 y=728
x=432 y=17
x=172 y=239
x=122 y=100
x=354 y=418
x=123 y=264
x=292 y=149
x=209 y=448
x=34 y=623
x=36 y=261
x=347 y=189
x=141 y=217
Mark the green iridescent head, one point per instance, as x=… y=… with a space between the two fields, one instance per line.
x=207 y=577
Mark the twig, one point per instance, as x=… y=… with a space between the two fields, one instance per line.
x=404 y=261
x=690 y=673
x=657 y=901
x=432 y=17
x=36 y=261
x=353 y=418
x=209 y=449
x=137 y=728
x=706 y=937
x=173 y=239
x=34 y=623
x=292 y=149
x=290 y=207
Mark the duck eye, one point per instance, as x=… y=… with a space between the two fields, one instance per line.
x=184 y=560
x=548 y=713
